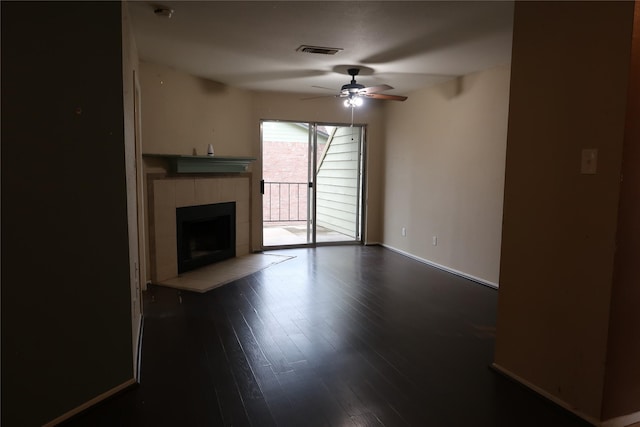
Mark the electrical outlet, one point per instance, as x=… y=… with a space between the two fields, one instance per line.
x=435 y=240
x=404 y=231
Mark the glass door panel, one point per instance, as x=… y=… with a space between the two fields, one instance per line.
x=339 y=185
x=286 y=152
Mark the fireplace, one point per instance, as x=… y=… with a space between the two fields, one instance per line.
x=205 y=234
x=168 y=194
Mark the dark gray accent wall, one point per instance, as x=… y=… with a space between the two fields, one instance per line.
x=66 y=321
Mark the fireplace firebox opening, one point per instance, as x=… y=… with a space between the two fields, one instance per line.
x=205 y=234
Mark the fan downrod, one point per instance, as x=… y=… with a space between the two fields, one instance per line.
x=353 y=72
x=353 y=86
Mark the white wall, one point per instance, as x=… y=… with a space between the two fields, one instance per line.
x=180 y=113
x=568 y=92
x=443 y=150
x=444 y=172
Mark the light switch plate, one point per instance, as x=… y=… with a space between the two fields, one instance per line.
x=589 y=162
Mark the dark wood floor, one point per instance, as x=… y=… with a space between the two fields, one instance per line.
x=338 y=336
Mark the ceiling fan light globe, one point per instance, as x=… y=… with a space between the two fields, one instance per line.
x=357 y=101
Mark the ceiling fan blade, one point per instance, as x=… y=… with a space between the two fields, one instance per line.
x=320 y=96
x=386 y=97
x=376 y=89
x=325 y=88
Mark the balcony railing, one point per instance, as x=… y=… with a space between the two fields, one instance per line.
x=285 y=201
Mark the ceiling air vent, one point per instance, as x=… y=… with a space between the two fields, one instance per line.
x=319 y=49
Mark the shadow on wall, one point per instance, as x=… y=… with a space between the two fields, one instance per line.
x=444 y=37
x=452 y=89
x=210 y=86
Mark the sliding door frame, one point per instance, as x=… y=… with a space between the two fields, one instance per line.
x=312 y=170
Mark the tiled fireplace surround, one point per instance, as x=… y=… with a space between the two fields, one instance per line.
x=166 y=193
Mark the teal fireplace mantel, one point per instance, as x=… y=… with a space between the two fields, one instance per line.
x=204 y=164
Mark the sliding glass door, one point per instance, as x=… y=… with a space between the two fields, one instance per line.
x=286 y=176
x=312 y=183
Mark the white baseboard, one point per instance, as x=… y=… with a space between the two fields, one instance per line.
x=547 y=395
x=90 y=403
x=623 y=421
x=443 y=267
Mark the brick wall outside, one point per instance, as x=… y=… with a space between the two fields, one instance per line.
x=285 y=162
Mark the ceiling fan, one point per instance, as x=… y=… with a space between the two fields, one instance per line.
x=354 y=92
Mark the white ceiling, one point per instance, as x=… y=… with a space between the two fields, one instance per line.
x=252 y=45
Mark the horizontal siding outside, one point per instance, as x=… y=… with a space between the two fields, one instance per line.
x=336 y=193
x=344 y=148
x=344 y=226
x=338 y=207
x=337 y=184
x=339 y=165
x=341 y=174
x=344 y=156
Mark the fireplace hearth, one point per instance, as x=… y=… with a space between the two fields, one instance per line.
x=205 y=234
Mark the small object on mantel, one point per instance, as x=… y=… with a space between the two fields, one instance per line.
x=210 y=150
